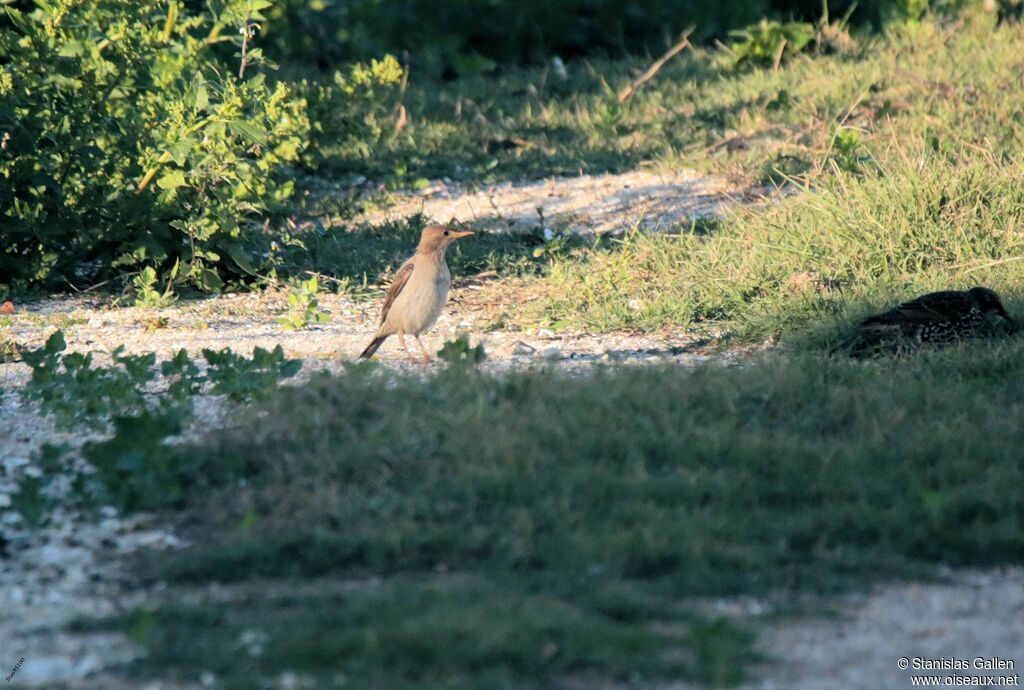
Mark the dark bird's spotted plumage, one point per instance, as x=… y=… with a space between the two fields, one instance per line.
x=938 y=318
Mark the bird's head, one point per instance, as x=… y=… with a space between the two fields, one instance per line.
x=436 y=238
x=989 y=303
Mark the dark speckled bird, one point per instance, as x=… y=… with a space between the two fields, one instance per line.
x=938 y=317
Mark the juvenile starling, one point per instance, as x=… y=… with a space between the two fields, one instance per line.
x=418 y=292
x=938 y=317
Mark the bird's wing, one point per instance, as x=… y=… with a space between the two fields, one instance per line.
x=401 y=278
x=925 y=309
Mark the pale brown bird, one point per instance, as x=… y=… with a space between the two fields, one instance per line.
x=418 y=292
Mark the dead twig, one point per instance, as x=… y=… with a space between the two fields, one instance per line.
x=779 y=53
x=649 y=73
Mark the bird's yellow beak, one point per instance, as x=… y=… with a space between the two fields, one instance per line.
x=456 y=234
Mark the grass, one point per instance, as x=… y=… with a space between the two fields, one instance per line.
x=525 y=529
x=528 y=123
x=924 y=194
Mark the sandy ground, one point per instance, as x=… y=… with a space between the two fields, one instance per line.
x=650 y=199
x=71 y=567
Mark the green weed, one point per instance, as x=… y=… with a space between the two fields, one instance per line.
x=145 y=292
x=75 y=391
x=766 y=43
x=244 y=379
x=304 y=306
x=459 y=352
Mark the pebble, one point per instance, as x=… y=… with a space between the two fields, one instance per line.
x=524 y=350
x=552 y=353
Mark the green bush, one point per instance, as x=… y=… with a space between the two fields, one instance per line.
x=129 y=142
x=130 y=145
x=349 y=111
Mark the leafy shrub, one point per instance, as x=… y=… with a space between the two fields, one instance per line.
x=145 y=287
x=135 y=467
x=348 y=112
x=130 y=144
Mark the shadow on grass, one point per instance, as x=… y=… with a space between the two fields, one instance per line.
x=516 y=530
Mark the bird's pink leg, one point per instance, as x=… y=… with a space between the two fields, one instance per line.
x=401 y=339
x=426 y=357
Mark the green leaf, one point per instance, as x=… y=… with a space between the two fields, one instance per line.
x=209 y=279
x=19 y=20
x=253 y=133
x=55 y=343
x=240 y=257
x=180 y=150
x=172 y=180
x=202 y=97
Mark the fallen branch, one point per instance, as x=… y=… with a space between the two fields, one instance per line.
x=649 y=73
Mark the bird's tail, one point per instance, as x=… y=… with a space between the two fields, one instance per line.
x=372 y=347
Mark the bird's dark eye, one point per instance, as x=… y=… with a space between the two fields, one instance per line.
x=446 y=233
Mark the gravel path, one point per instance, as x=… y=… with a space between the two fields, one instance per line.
x=967 y=615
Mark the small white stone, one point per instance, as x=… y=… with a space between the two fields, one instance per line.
x=545 y=333
x=207 y=679
x=524 y=349
x=12 y=518
x=111 y=525
x=16 y=461
x=559 y=67
x=553 y=353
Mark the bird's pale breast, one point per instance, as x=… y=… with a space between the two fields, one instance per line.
x=420 y=303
